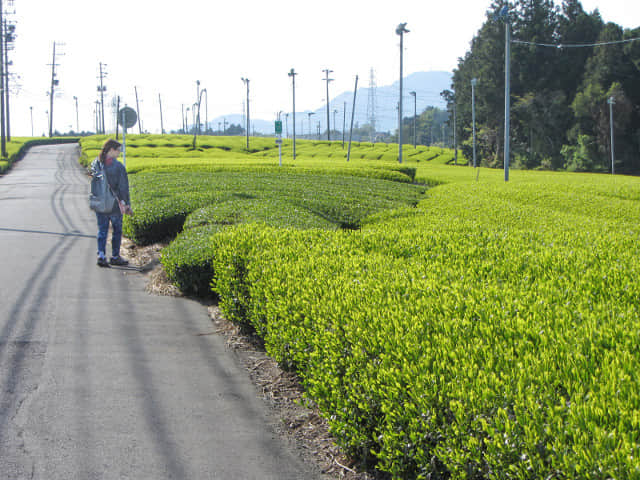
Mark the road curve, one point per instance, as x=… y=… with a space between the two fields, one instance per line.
x=98 y=379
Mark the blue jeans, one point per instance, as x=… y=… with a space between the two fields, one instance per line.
x=103 y=230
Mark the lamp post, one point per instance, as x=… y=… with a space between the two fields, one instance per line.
x=474 y=82
x=309 y=117
x=293 y=74
x=415 y=114
x=77 y=120
x=198 y=102
x=197 y=105
x=400 y=30
x=246 y=82
x=612 y=101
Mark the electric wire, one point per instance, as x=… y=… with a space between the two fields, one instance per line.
x=575 y=45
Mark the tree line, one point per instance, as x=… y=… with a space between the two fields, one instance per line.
x=560 y=112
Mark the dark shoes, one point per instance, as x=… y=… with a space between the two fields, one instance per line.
x=118 y=261
x=102 y=262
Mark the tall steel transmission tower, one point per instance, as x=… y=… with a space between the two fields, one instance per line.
x=371 y=104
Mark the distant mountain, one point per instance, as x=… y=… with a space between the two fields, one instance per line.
x=427 y=86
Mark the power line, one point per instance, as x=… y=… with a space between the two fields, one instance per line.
x=574 y=45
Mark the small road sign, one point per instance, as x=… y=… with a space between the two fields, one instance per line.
x=127 y=117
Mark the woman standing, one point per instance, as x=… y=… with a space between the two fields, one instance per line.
x=118 y=181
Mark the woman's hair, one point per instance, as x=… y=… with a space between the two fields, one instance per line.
x=108 y=145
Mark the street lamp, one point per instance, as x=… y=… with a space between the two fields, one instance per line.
x=246 y=82
x=415 y=114
x=400 y=30
x=474 y=82
x=293 y=74
x=77 y=121
x=197 y=129
x=31 y=110
x=309 y=117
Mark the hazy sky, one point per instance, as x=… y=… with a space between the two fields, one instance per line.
x=164 y=47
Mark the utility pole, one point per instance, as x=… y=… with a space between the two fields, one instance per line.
x=353 y=114
x=161 y=122
x=344 y=122
x=31 y=110
x=415 y=112
x=8 y=38
x=77 y=118
x=117 y=124
x=327 y=79
x=504 y=13
x=474 y=82
x=137 y=111
x=54 y=83
x=246 y=82
x=400 y=30
x=102 y=89
x=612 y=101
x=455 y=141
x=3 y=140
x=293 y=74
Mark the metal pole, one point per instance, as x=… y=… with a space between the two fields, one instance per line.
x=3 y=140
x=400 y=30
x=138 y=111
x=31 y=110
x=117 y=110
x=344 y=122
x=327 y=79
x=474 y=81
x=400 y=105
x=102 y=99
x=455 y=140
x=246 y=82
x=161 y=123
x=198 y=100
x=612 y=102
x=334 y=118
x=507 y=96
x=124 y=138
x=415 y=114
x=293 y=74
x=53 y=80
x=353 y=111
x=5 y=38
x=77 y=117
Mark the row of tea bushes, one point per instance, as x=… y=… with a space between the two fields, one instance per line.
x=493 y=332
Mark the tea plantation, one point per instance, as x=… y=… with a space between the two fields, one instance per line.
x=446 y=323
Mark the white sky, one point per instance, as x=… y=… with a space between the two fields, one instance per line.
x=164 y=47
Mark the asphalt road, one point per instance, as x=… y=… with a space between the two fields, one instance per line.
x=98 y=379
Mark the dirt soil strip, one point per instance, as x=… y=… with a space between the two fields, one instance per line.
x=281 y=390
